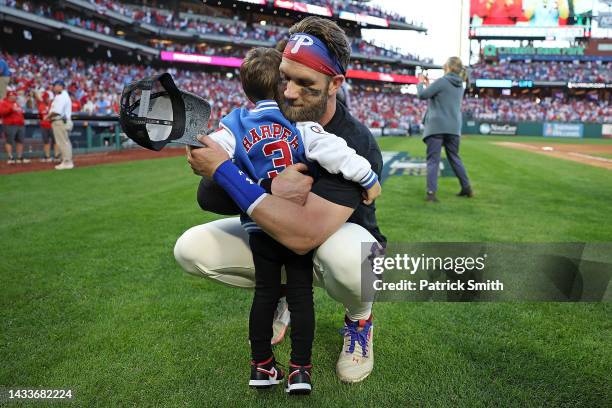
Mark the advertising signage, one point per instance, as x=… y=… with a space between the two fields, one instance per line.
x=532 y=13
x=553 y=129
x=589 y=85
x=379 y=76
x=235 y=63
x=494 y=83
x=303 y=7
x=200 y=59
x=262 y=2
x=493 y=51
x=500 y=32
x=364 y=18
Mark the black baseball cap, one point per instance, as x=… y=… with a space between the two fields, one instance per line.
x=155 y=112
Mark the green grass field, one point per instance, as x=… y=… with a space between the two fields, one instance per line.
x=93 y=301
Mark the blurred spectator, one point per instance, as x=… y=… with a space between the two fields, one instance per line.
x=60 y=115
x=43 y=105
x=5 y=76
x=89 y=107
x=14 y=127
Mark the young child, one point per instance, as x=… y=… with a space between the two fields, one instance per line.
x=262 y=142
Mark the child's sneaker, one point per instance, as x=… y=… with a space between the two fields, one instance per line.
x=265 y=374
x=298 y=381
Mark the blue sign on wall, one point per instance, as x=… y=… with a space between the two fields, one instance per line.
x=553 y=129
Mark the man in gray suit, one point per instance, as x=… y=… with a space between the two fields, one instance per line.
x=443 y=125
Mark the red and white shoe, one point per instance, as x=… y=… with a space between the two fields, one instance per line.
x=281 y=321
x=299 y=379
x=265 y=374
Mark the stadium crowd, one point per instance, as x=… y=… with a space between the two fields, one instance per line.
x=236 y=29
x=387 y=109
x=95 y=88
x=335 y=5
x=561 y=109
x=361 y=8
x=588 y=71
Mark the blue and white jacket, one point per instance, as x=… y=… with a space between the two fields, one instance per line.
x=262 y=142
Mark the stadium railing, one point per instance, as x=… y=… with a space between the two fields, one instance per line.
x=90 y=134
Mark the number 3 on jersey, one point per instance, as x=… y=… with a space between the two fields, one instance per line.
x=284 y=159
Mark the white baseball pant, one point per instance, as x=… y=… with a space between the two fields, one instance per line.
x=219 y=250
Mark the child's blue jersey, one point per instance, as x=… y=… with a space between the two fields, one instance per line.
x=266 y=141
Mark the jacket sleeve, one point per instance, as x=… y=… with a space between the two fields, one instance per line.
x=431 y=91
x=334 y=155
x=226 y=139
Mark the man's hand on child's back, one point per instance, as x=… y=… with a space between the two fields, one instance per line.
x=291 y=184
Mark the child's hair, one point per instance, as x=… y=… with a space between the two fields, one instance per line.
x=259 y=73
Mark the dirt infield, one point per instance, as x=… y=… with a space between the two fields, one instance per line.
x=582 y=153
x=94 y=159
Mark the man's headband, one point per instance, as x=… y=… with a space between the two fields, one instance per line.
x=308 y=50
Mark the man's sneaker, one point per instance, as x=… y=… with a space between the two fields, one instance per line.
x=10 y=161
x=65 y=166
x=431 y=197
x=46 y=160
x=281 y=321
x=265 y=374
x=356 y=359
x=23 y=160
x=466 y=192
x=298 y=380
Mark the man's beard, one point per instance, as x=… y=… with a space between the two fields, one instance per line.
x=312 y=112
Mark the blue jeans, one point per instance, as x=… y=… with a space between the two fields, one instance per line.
x=434 y=149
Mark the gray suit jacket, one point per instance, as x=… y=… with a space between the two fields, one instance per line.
x=444 y=109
